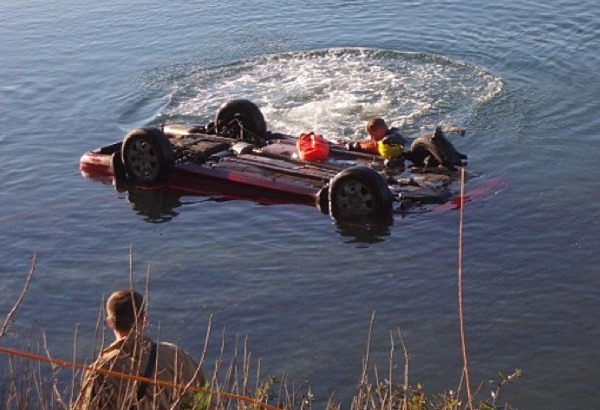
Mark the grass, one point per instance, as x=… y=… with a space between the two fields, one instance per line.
x=37 y=380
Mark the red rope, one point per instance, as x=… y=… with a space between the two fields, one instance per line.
x=112 y=373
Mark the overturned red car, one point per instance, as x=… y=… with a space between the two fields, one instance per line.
x=235 y=156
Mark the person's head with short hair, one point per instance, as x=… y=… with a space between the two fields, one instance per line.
x=125 y=309
x=376 y=128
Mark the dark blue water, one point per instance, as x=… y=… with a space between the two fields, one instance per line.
x=523 y=79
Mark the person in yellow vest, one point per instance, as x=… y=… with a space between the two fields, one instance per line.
x=384 y=141
x=135 y=353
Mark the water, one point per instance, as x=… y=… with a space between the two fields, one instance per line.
x=520 y=76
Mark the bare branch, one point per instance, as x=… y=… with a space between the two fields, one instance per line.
x=13 y=311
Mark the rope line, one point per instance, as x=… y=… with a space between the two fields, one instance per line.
x=128 y=376
x=460 y=304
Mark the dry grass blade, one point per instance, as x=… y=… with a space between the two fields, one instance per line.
x=15 y=307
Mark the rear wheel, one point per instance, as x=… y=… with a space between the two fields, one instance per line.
x=434 y=150
x=241 y=119
x=359 y=193
x=146 y=155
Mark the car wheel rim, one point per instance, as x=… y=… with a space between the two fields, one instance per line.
x=143 y=159
x=355 y=198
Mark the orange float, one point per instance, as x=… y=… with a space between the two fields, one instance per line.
x=312 y=147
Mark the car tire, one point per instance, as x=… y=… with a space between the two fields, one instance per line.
x=117 y=167
x=249 y=116
x=359 y=193
x=322 y=200
x=434 y=150
x=147 y=154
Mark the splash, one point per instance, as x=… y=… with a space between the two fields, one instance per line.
x=334 y=91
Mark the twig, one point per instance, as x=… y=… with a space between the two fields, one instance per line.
x=100 y=324
x=368 y=348
x=130 y=266
x=405 y=351
x=74 y=374
x=54 y=372
x=13 y=311
x=206 y=341
x=391 y=365
x=460 y=300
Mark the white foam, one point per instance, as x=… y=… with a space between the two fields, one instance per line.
x=334 y=91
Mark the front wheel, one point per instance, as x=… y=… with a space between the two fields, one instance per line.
x=147 y=154
x=359 y=193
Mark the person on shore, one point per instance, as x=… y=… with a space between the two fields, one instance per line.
x=135 y=353
x=378 y=131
